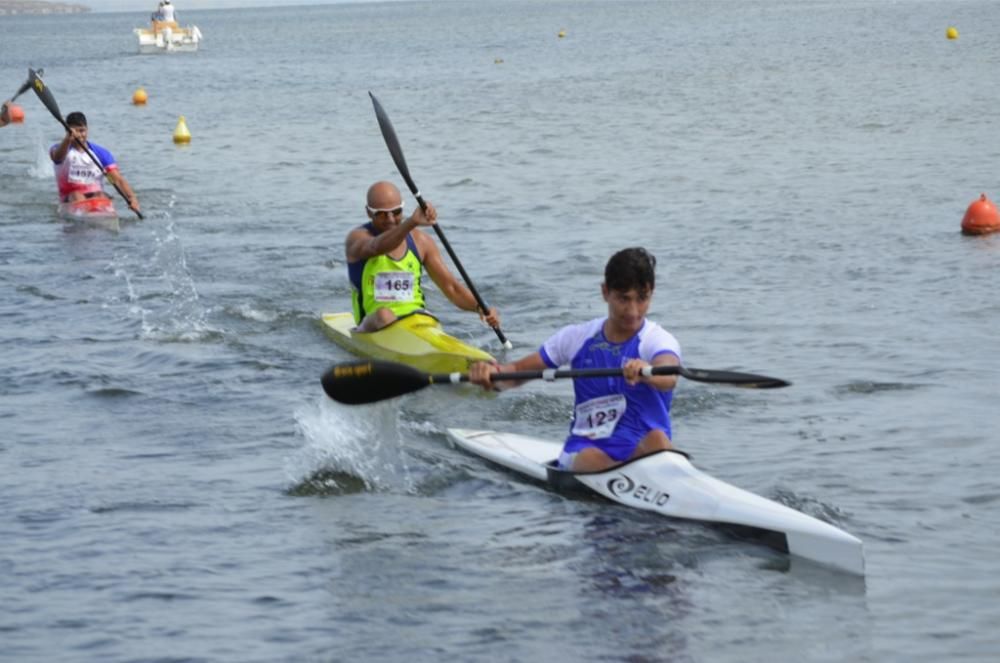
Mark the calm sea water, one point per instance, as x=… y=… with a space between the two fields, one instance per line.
x=177 y=488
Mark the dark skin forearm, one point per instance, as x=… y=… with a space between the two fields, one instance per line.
x=387 y=241
x=63 y=149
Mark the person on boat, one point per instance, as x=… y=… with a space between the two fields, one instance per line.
x=164 y=13
x=385 y=260
x=167 y=12
x=4 y=114
x=77 y=176
x=619 y=418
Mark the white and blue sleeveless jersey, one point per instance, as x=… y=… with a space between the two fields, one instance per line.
x=609 y=413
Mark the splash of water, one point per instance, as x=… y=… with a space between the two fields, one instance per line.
x=160 y=290
x=364 y=443
x=43 y=168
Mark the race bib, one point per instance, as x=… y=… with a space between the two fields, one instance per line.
x=82 y=171
x=597 y=418
x=394 y=287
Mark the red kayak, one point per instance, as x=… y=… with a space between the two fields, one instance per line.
x=98 y=211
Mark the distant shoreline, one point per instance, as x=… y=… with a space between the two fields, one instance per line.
x=10 y=7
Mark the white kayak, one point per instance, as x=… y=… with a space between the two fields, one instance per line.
x=667 y=483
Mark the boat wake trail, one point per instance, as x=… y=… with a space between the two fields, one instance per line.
x=160 y=290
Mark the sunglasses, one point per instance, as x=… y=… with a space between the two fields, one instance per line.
x=394 y=211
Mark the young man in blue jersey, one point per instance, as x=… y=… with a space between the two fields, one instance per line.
x=619 y=418
x=385 y=262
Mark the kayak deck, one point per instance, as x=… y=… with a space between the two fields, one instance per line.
x=667 y=483
x=98 y=212
x=416 y=339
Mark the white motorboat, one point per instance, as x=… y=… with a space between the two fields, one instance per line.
x=168 y=37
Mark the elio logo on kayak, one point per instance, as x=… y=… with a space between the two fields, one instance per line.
x=624 y=487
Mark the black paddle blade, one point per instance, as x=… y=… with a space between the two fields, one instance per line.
x=745 y=380
x=45 y=95
x=389 y=134
x=27 y=83
x=361 y=382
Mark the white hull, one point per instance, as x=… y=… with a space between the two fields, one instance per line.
x=168 y=40
x=667 y=483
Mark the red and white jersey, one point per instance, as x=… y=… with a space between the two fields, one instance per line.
x=78 y=172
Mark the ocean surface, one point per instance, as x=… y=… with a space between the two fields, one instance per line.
x=176 y=486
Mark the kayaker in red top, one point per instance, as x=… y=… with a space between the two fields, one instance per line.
x=77 y=176
x=385 y=261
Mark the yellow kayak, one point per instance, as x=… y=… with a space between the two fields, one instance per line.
x=416 y=339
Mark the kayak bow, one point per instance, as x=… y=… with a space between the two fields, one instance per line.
x=417 y=340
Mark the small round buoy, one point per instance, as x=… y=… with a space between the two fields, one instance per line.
x=139 y=97
x=951 y=32
x=15 y=113
x=181 y=133
x=981 y=217
x=562 y=33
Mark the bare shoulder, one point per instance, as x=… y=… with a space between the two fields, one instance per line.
x=358 y=233
x=425 y=243
x=354 y=241
x=361 y=230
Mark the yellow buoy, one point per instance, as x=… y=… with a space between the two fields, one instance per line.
x=562 y=33
x=181 y=133
x=139 y=97
x=951 y=32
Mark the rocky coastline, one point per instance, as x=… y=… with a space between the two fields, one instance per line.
x=11 y=7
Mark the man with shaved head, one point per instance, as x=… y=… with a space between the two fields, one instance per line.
x=386 y=258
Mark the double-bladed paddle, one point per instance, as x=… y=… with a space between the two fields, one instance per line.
x=389 y=134
x=45 y=94
x=362 y=382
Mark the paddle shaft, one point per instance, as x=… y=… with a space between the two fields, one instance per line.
x=556 y=374
x=49 y=101
x=732 y=378
x=396 y=151
x=361 y=382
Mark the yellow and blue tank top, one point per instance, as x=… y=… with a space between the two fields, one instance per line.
x=384 y=282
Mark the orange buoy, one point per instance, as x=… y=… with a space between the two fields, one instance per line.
x=981 y=217
x=15 y=113
x=139 y=97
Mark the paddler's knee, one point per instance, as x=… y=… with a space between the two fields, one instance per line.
x=591 y=459
x=654 y=440
x=377 y=319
